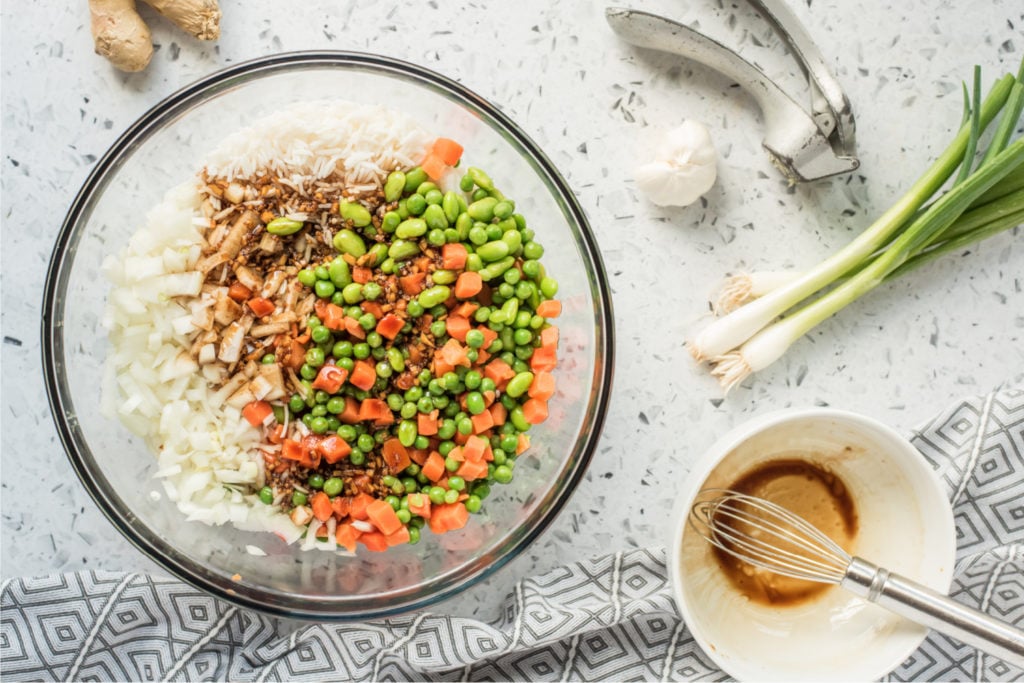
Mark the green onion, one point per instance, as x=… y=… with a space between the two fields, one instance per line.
x=982 y=200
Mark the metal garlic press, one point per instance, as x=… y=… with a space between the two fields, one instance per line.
x=803 y=145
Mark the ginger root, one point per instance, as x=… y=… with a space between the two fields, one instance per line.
x=120 y=34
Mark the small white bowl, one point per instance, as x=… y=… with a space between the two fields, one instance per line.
x=905 y=525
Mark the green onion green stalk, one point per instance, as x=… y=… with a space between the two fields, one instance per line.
x=984 y=199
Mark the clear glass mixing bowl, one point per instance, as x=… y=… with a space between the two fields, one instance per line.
x=163 y=149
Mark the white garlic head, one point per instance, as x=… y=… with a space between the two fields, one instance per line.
x=683 y=168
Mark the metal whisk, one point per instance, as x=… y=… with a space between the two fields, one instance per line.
x=771 y=537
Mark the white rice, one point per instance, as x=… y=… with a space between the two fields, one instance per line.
x=206 y=455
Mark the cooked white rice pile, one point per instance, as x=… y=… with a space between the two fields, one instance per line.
x=206 y=453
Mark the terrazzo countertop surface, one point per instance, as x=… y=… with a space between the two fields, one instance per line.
x=594 y=105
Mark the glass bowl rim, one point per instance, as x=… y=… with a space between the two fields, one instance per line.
x=179 y=102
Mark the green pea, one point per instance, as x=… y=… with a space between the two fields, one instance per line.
x=451 y=496
x=433 y=296
x=473 y=504
x=352 y=293
x=416 y=204
x=472 y=380
x=425 y=187
x=315 y=357
x=502 y=474
x=414 y=179
x=475 y=402
x=315 y=481
x=266 y=495
x=356 y=213
x=307 y=277
x=522 y=337
x=412 y=227
x=493 y=232
x=482 y=209
x=533 y=250
x=466 y=183
x=324 y=288
x=390 y=221
x=298 y=498
x=365 y=442
x=518 y=385
x=357 y=457
x=436 y=495
x=403 y=249
x=320 y=334
x=394 y=186
x=531 y=268
x=496 y=269
x=322 y=397
x=475 y=339
x=479 y=194
x=493 y=251
x=333 y=486
x=296 y=404
x=372 y=291
x=435 y=218
x=549 y=287
x=447 y=429
x=414 y=309
x=347 y=242
x=282 y=225
x=438 y=328
x=407 y=432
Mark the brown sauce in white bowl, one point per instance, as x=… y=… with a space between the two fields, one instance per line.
x=807 y=490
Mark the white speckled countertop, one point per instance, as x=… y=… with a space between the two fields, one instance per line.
x=591 y=102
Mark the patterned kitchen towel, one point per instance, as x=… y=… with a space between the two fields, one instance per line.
x=607 y=619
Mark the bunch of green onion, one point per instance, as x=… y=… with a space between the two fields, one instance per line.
x=985 y=197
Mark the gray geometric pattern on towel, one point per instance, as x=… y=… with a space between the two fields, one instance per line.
x=611 y=618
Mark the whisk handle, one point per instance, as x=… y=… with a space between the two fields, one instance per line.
x=930 y=608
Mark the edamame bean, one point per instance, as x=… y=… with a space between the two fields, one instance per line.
x=435 y=218
x=403 y=249
x=339 y=272
x=510 y=309
x=377 y=253
x=390 y=221
x=513 y=239
x=412 y=227
x=504 y=209
x=396 y=359
x=394 y=186
x=282 y=225
x=407 y=433
x=352 y=293
x=433 y=296
x=493 y=251
x=474 y=263
x=444 y=277
x=416 y=204
x=493 y=270
x=414 y=179
x=371 y=290
x=347 y=242
x=450 y=206
x=519 y=385
x=307 y=277
x=356 y=213
x=518 y=419
x=479 y=178
x=482 y=209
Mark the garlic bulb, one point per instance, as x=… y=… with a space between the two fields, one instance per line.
x=683 y=169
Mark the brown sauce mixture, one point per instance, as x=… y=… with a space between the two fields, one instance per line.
x=807 y=490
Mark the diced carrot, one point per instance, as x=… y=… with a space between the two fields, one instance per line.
x=372 y=409
x=448 y=517
x=332 y=316
x=320 y=307
x=551 y=308
x=361 y=275
x=359 y=505
x=296 y=354
x=412 y=284
x=353 y=327
x=457 y=327
x=363 y=375
x=261 y=306
x=447 y=150
x=396 y=456
x=535 y=411
x=239 y=292
x=276 y=434
x=340 y=506
x=334 y=448
x=543 y=386
x=300 y=453
x=257 y=412
x=373 y=308
x=482 y=422
x=389 y=326
x=434 y=167
x=321 y=504
x=433 y=468
x=330 y=378
x=474 y=449
x=461 y=438
x=498 y=413
x=350 y=415
x=453 y=256
x=321 y=531
x=383 y=516
x=468 y=285
x=482 y=357
x=499 y=371
x=398 y=537
x=549 y=336
x=418 y=455
x=454 y=354
x=346 y=535
x=466 y=309
x=543 y=359
x=426 y=423
x=489 y=335
x=457 y=454
x=419 y=504
x=472 y=470
x=522 y=444
x=374 y=541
